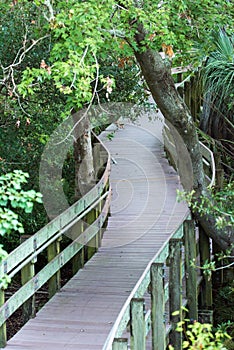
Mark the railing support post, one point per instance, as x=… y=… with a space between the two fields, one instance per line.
x=78 y=259
x=190 y=271
x=187 y=94
x=180 y=90
x=27 y=273
x=137 y=324
x=193 y=97
x=120 y=344
x=157 y=306
x=91 y=245
x=204 y=248
x=3 y=331
x=98 y=235
x=54 y=281
x=219 y=176
x=175 y=290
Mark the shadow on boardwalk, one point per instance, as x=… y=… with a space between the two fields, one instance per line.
x=144 y=214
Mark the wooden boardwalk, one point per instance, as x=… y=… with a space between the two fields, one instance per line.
x=144 y=214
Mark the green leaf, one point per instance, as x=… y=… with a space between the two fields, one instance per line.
x=176 y=313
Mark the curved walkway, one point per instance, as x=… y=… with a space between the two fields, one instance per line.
x=144 y=214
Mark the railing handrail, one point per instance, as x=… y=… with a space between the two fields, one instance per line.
x=37 y=281
x=207 y=154
x=160 y=256
x=56 y=236
x=33 y=243
x=182 y=276
x=94 y=208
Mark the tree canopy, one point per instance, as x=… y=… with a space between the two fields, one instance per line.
x=63 y=43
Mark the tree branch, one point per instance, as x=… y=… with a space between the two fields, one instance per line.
x=48 y=4
x=8 y=72
x=25 y=51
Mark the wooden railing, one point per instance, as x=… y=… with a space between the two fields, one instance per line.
x=85 y=219
x=139 y=315
x=190 y=90
x=207 y=156
x=165 y=293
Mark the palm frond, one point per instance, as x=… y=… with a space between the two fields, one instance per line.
x=219 y=71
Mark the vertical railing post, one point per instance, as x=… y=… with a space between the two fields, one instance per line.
x=190 y=271
x=90 y=247
x=120 y=344
x=175 y=290
x=206 y=290
x=157 y=306
x=180 y=90
x=137 y=324
x=98 y=235
x=3 y=331
x=219 y=175
x=193 y=86
x=54 y=282
x=179 y=77
x=107 y=188
x=187 y=94
x=27 y=273
x=78 y=259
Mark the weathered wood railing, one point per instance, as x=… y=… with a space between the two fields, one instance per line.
x=82 y=222
x=176 y=254
x=207 y=156
x=183 y=283
x=190 y=90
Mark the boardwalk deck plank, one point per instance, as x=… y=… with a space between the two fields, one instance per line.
x=144 y=214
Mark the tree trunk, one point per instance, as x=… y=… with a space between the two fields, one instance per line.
x=83 y=155
x=157 y=73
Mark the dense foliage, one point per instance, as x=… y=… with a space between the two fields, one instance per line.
x=13 y=202
x=219 y=70
x=217 y=117
x=220 y=203
x=201 y=336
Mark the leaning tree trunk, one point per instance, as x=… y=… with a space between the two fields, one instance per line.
x=83 y=155
x=157 y=74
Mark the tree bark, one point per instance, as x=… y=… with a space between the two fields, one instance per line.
x=157 y=73
x=83 y=155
